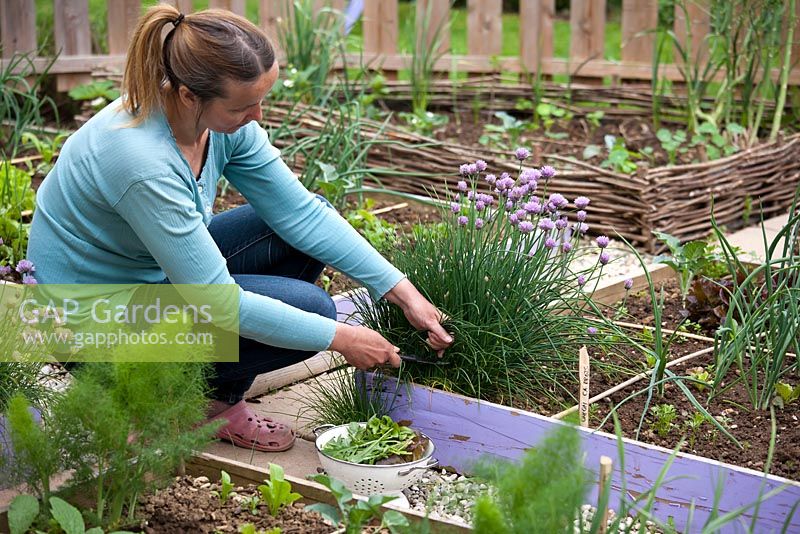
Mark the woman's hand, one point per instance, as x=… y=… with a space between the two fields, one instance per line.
x=421 y=314
x=364 y=348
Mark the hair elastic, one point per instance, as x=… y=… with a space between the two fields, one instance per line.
x=178 y=20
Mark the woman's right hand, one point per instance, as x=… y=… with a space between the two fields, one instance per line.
x=363 y=347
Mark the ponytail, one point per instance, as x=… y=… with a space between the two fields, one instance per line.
x=145 y=71
x=201 y=51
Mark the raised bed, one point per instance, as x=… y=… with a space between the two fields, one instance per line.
x=465 y=429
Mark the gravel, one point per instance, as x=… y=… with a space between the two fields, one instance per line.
x=450 y=496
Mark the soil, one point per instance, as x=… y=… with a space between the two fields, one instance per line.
x=732 y=407
x=566 y=138
x=189 y=506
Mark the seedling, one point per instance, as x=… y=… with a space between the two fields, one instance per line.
x=664 y=415
x=355 y=514
x=619 y=157
x=277 y=492
x=226 y=487
x=672 y=143
x=786 y=393
x=701 y=377
x=508 y=131
x=693 y=425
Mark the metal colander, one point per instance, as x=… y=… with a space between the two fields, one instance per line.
x=371 y=479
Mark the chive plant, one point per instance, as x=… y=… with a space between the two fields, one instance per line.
x=499 y=269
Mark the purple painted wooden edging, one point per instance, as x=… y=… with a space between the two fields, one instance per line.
x=464 y=429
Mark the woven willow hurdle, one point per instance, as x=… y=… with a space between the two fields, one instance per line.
x=674 y=199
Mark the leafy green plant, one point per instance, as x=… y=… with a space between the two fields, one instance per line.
x=24 y=510
x=545 y=489
x=787 y=393
x=16 y=198
x=356 y=514
x=663 y=417
x=672 y=142
x=381 y=234
x=701 y=377
x=713 y=142
x=508 y=132
x=250 y=528
x=693 y=425
x=380 y=439
x=226 y=487
x=619 y=157
x=688 y=260
x=46 y=147
x=277 y=491
x=594 y=118
x=97 y=93
x=423 y=123
x=160 y=404
x=549 y=114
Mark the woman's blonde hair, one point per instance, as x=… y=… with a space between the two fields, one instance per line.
x=201 y=51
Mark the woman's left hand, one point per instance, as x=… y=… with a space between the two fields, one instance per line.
x=421 y=314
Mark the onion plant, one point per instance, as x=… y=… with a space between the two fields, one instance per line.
x=427 y=41
x=312 y=40
x=499 y=269
x=761 y=333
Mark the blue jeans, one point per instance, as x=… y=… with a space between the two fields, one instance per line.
x=261 y=262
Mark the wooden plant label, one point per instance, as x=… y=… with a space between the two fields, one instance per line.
x=583 y=376
x=605 y=473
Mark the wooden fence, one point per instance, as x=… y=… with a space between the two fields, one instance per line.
x=380 y=30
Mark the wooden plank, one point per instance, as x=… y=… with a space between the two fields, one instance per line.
x=273 y=13
x=536 y=28
x=72 y=38
x=122 y=18
x=463 y=429
x=210 y=465
x=587 y=30
x=699 y=26
x=17 y=27
x=639 y=19
x=236 y=6
x=316 y=365
x=485 y=27
x=380 y=24
x=437 y=14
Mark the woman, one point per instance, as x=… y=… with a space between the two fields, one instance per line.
x=130 y=202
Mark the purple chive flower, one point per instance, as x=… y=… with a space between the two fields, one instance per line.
x=470 y=195
x=463 y=220
x=1 y=241
x=526 y=227
x=583 y=228
x=510 y=205
x=522 y=153
x=491 y=179
x=581 y=280
x=550 y=243
x=628 y=284
x=462 y=185
x=463 y=170
x=29 y=280
x=581 y=202
x=472 y=168
x=486 y=199
x=566 y=246
x=602 y=241
x=478 y=223
x=25 y=266
x=480 y=165
x=546 y=224
x=455 y=207
x=521 y=214
x=548 y=172
x=480 y=205
x=532 y=207
x=513 y=219
x=558 y=200
x=581 y=216
x=561 y=223
x=591 y=330
x=604 y=258
x=5 y=270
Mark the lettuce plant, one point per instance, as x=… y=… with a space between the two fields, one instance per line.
x=499 y=268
